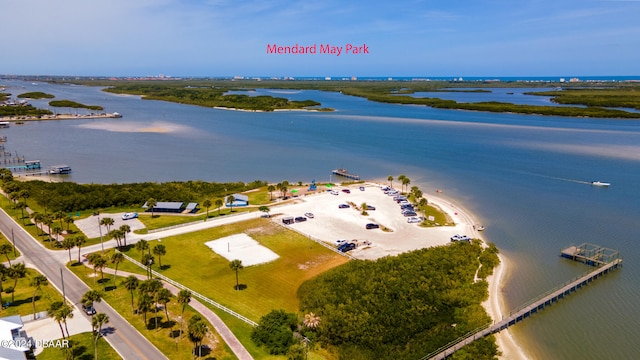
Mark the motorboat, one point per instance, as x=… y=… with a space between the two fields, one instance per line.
x=600 y=183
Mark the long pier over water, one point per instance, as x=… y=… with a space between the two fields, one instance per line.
x=606 y=260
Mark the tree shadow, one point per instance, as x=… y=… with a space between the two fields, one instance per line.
x=240 y=287
x=202 y=350
x=168 y=324
x=110 y=288
x=174 y=334
x=151 y=322
x=165 y=267
x=75 y=263
x=108 y=330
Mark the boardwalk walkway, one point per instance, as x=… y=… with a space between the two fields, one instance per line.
x=523 y=312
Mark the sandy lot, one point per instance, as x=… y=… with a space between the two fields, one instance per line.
x=243 y=248
x=331 y=223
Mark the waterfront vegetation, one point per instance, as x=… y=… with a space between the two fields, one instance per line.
x=23 y=111
x=81 y=346
x=608 y=97
x=35 y=95
x=166 y=336
x=210 y=96
x=75 y=105
x=408 y=306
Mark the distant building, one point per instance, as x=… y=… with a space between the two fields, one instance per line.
x=240 y=200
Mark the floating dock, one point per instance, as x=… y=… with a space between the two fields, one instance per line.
x=345 y=173
x=590 y=254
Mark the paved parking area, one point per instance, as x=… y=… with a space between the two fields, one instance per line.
x=90 y=225
x=331 y=223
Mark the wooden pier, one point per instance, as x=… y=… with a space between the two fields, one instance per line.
x=595 y=256
x=345 y=173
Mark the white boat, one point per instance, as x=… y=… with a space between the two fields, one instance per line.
x=600 y=183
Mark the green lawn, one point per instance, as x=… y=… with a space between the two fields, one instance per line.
x=82 y=348
x=13 y=254
x=22 y=304
x=120 y=299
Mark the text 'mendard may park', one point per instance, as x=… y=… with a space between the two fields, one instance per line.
x=315 y=49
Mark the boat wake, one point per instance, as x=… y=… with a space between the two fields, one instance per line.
x=558 y=178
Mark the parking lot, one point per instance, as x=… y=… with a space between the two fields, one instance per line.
x=331 y=223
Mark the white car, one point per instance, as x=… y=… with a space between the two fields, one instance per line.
x=340 y=242
x=413 y=219
x=129 y=215
x=334 y=192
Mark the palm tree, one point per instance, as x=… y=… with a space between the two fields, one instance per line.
x=54 y=312
x=125 y=230
x=80 y=240
x=271 y=189
x=68 y=244
x=68 y=220
x=164 y=297
x=197 y=331
x=151 y=203
x=390 y=178
x=145 y=304
x=311 y=320
x=236 y=265
x=184 y=297
x=16 y=271
x=116 y=258
x=142 y=245
x=21 y=205
x=90 y=297
x=207 y=205
x=24 y=194
x=57 y=231
x=131 y=284
x=48 y=221
x=219 y=204
x=98 y=262
x=159 y=250
x=230 y=200
x=264 y=209
x=405 y=182
x=38 y=219
x=66 y=312
x=6 y=249
x=3 y=276
x=149 y=288
x=147 y=260
x=108 y=222
x=96 y=323
x=37 y=281
x=59 y=215
x=115 y=234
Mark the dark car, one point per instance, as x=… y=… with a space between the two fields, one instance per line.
x=346 y=191
x=372 y=226
x=300 y=219
x=347 y=247
x=369 y=207
x=88 y=309
x=409 y=213
x=343 y=206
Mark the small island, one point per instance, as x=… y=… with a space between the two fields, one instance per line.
x=75 y=105
x=35 y=95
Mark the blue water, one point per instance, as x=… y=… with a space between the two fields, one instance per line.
x=526 y=178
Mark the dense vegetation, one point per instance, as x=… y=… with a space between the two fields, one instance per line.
x=613 y=97
x=36 y=95
x=69 y=196
x=209 y=96
x=275 y=331
x=4 y=96
x=402 y=307
x=75 y=105
x=27 y=110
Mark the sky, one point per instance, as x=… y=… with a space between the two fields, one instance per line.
x=415 y=38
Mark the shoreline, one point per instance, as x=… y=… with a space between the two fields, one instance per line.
x=60 y=117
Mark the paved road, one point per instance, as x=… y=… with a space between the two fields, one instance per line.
x=125 y=339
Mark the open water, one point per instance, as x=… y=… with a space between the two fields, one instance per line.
x=525 y=177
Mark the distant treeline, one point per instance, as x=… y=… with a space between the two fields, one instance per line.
x=75 y=105
x=209 y=96
x=69 y=196
x=620 y=98
x=36 y=95
x=20 y=110
x=405 y=306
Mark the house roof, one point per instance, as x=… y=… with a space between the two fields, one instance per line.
x=240 y=197
x=174 y=205
x=191 y=206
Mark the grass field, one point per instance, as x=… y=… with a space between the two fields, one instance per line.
x=82 y=348
x=120 y=299
x=22 y=304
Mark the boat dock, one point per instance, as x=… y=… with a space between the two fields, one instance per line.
x=605 y=259
x=345 y=173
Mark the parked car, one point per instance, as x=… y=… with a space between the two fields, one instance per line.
x=129 y=215
x=346 y=191
x=346 y=247
x=369 y=207
x=88 y=309
x=300 y=219
x=409 y=213
x=309 y=215
x=372 y=226
x=333 y=192
x=340 y=242
x=361 y=188
x=343 y=206
x=404 y=202
x=413 y=219
x=458 y=237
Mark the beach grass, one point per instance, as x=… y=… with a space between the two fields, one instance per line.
x=119 y=298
